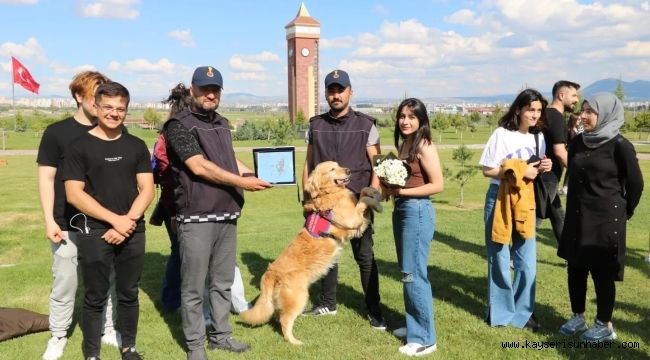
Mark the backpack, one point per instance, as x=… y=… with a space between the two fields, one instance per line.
x=160 y=161
x=163 y=176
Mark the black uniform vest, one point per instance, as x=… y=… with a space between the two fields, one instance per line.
x=198 y=200
x=343 y=140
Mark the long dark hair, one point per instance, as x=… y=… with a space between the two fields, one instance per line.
x=179 y=99
x=510 y=120
x=424 y=129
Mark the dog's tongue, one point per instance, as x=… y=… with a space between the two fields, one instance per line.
x=342 y=181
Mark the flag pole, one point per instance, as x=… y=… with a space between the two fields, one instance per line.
x=13 y=101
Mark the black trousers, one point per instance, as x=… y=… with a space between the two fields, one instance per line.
x=96 y=258
x=554 y=209
x=604 y=283
x=365 y=258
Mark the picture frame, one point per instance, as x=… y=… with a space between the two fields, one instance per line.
x=276 y=165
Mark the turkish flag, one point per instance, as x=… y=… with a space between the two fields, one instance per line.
x=23 y=78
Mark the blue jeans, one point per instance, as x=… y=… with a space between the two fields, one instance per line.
x=413 y=228
x=509 y=302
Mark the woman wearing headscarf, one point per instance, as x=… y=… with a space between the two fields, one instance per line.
x=605 y=185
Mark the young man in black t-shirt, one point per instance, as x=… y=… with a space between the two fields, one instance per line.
x=108 y=177
x=57 y=214
x=565 y=98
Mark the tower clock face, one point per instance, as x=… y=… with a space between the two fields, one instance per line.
x=304 y=52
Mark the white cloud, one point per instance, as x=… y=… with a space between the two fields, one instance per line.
x=411 y=31
x=62 y=68
x=112 y=9
x=30 y=49
x=635 y=49
x=144 y=66
x=249 y=75
x=461 y=17
x=380 y=9
x=183 y=36
x=238 y=63
x=264 y=56
x=337 y=43
x=18 y=2
x=251 y=68
x=645 y=6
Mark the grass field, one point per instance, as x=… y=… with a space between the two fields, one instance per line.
x=457 y=271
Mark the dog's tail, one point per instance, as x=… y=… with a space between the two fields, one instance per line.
x=263 y=310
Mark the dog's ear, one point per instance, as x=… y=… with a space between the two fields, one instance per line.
x=312 y=184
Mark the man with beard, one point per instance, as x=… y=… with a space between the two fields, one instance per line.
x=565 y=98
x=350 y=138
x=209 y=199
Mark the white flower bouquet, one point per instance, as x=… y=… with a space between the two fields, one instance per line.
x=392 y=171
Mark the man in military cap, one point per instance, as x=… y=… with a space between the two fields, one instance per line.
x=350 y=138
x=209 y=199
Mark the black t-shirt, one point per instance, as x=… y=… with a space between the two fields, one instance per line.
x=109 y=170
x=555 y=133
x=54 y=143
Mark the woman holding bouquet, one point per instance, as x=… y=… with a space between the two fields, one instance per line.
x=517 y=142
x=414 y=223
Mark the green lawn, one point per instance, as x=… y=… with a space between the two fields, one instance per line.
x=457 y=271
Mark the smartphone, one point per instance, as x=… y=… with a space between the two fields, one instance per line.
x=534 y=159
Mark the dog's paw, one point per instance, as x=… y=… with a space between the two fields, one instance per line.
x=372 y=203
x=371 y=193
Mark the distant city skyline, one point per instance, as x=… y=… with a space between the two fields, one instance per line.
x=430 y=48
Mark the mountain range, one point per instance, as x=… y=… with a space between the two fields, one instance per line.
x=638 y=90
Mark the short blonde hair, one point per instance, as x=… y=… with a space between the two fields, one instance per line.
x=85 y=83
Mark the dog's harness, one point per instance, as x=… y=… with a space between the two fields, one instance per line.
x=318 y=223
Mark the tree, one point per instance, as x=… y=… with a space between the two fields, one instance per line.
x=440 y=122
x=300 y=118
x=281 y=132
x=493 y=119
x=620 y=91
x=462 y=155
x=152 y=117
x=474 y=118
x=21 y=124
x=460 y=123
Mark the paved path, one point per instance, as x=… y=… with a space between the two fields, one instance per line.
x=384 y=148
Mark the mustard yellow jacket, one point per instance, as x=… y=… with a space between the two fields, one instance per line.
x=515 y=204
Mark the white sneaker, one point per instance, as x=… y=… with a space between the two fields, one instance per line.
x=400 y=332
x=112 y=338
x=55 y=348
x=415 y=349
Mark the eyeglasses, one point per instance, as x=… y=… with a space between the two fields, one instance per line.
x=109 y=109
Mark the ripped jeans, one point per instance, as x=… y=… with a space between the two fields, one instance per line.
x=413 y=228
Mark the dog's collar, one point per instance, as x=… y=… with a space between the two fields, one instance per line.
x=318 y=223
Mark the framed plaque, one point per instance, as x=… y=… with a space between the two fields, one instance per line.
x=276 y=165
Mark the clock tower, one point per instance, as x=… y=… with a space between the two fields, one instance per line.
x=303 y=34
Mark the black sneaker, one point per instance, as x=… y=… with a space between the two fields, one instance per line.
x=131 y=354
x=377 y=321
x=320 y=310
x=229 y=344
x=532 y=324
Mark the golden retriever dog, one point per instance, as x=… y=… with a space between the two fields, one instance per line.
x=285 y=284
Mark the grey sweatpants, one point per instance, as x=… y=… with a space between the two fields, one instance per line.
x=207 y=252
x=64 y=287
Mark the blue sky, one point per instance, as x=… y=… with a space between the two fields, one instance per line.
x=423 y=48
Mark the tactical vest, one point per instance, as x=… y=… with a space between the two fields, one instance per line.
x=198 y=200
x=343 y=140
